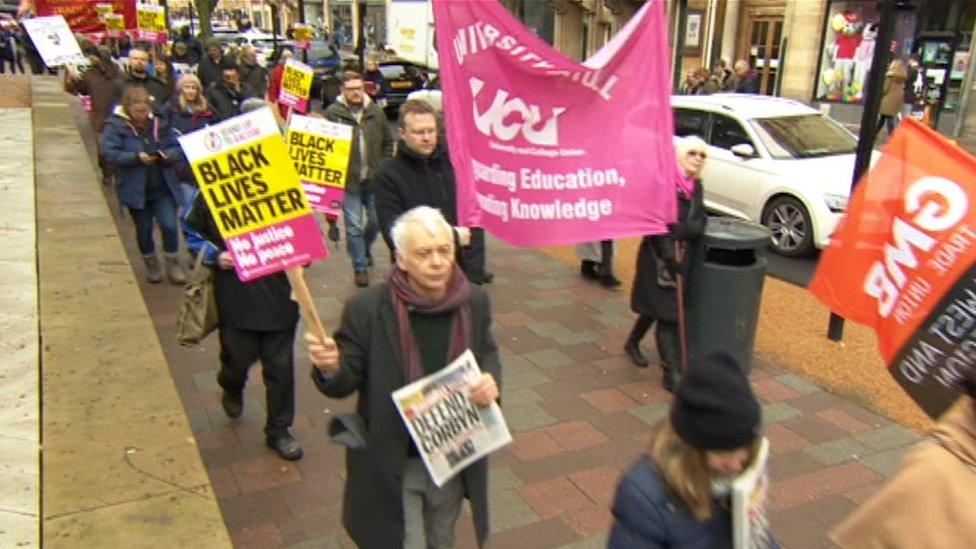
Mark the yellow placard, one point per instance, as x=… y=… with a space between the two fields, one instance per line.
x=150 y=18
x=296 y=80
x=251 y=186
x=303 y=33
x=319 y=159
x=103 y=9
x=115 y=22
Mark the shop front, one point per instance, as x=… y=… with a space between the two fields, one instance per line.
x=936 y=36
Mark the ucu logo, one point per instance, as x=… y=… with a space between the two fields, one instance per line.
x=492 y=121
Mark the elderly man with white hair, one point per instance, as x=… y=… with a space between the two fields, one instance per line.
x=390 y=335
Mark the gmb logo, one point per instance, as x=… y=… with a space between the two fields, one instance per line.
x=492 y=121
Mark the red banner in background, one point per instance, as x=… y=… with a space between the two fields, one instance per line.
x=903 y=262
x=82 y=15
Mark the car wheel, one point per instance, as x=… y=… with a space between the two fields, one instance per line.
x=789 y=222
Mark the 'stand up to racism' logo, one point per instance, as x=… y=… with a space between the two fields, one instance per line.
x=212 y=141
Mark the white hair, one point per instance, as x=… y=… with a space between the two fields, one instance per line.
x=429 y=218
x=689 y=143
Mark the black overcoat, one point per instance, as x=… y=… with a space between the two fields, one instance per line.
x=370 y=365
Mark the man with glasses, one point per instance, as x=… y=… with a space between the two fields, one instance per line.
x=371 y=143
x=421 y=175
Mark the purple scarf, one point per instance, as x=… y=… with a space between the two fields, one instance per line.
x=456 y=300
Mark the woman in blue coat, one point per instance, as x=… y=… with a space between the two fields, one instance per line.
x=188 y=111
x=678 y=495
x=144 y=150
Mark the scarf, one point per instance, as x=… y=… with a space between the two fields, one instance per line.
x=686 y=185
x=457 y=300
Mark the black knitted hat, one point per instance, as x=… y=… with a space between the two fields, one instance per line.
x=715 y=408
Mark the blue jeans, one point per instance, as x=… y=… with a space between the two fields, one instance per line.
x=359 y=240
x=163 y=210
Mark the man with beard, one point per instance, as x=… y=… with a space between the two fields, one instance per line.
x=226 y=97
x=138 y=76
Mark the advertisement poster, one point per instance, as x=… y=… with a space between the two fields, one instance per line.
x=529 y=166
x=450 y=432
x=151 y=23
x=320 y=150
x=296 y=85
x=254 y=194
x=903 y=262
x=54 y=41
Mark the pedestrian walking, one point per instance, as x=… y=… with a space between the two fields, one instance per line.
x=724 y=76
x=139 y=77
x=188 y=112
x=11 y=49
x=143 y=150
x=746 y=79
x=226 y=96
x=412 y=325
x=371 y=143
x=376 y=84
x=911 y=79
x=252 y=73
x=678 y=494
x=421 y=174
x=257 y=321
x=661 y=260
x=209 y=70
x=596 y=262
x=893 y=94
x=102 y=83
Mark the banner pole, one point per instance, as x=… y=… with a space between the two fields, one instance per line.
x=306 y=305
x=680 y=289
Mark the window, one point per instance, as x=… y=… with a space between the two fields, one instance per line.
x=689 y=122
x=804 y=136
x=727 y=133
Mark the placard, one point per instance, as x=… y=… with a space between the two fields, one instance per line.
x=253 y=192
x=54 y=41
x=151 y=23
x=320 y=151
x=296 y=85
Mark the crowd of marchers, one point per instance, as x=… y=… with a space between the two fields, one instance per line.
x=428 y=309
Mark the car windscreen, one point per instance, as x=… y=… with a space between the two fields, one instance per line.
x=397 y=72
x=803 y=136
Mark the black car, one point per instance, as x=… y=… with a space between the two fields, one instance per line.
x=402 y=77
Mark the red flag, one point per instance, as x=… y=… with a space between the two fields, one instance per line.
x=902 y=262
x=82 y=16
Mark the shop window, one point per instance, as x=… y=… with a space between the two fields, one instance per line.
x=537 y=16
x=850 y=36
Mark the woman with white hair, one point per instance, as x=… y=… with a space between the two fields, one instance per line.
x=659 y=263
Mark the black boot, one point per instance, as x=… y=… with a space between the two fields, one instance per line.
x=588 y=269
x=635 y=355
x=671 y=377
x=632 y=346
x=605 y=273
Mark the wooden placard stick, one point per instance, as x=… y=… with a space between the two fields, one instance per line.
x=306 y=305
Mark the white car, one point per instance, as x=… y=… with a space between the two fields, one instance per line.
x=772 y=161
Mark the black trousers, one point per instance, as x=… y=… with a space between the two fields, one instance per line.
x=667 y=336
x=239 y=349
x=473 y=256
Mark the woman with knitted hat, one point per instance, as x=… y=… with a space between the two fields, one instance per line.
x=678 y=495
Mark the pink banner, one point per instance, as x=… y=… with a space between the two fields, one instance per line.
x=287 y=99
x=277 y=247
x=324 y=199
x=156 y=37
x=548 y=150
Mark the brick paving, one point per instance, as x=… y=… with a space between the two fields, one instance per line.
x=580 y=414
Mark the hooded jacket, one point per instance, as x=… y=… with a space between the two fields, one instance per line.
x=929 y=501
x=409 y=180
x=375 y=136
x=121 y=145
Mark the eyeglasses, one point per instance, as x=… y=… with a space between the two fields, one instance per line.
x=354 y=88
x=699 y=154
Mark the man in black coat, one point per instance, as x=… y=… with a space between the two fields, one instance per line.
x=252 y=73
x=746 y=79
x=428 y=313
x=209 y=69
x=421 y=174
x=257 y=322
x=138 y=76
x=226 y=96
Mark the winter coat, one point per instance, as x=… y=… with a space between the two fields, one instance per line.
x=648 y=515
x=748 y=84
x=409 y=180
x=648 y=297
x=254 y=76
x=262 y=305
x=893 y=95
x=379 y=81
x=182 y=122
x=376 y=135
x=370 y=365
x=157 y=89
x=209 y=72
x=709 y=86
x=104 y=86
x=121 y=145
x=929 y=501
x=226 y=102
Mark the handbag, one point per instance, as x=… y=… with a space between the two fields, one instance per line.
x=198 y=310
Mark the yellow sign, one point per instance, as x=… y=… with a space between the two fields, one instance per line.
x=320 y=151
x=103 y=10
x=303 y=33
x=297 y=79
x=115 y=22
x=150 y=18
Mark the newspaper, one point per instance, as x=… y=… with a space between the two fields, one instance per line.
x=450 y=432
x=750 y=490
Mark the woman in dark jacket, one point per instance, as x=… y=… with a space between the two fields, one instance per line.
x=660 y=261
x=678 y=495
x=143 y=150
x=188 y=112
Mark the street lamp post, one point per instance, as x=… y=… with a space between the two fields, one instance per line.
x=361 y=39
x=869 y=118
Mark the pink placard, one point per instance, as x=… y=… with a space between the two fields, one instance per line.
x=548 y=150
x=323 y=198
x=156 y=37
x=291 y=100
x=277 y=247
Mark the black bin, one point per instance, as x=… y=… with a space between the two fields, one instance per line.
x=725 y=286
